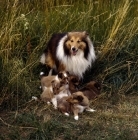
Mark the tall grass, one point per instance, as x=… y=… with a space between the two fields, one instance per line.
x=25 y=26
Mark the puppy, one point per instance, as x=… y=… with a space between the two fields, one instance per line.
x=75 y=103
x=83 y=104
x=60 y=92
x=73 y=83
x=72 y=52
x=48 y=92
x=47 y=80
x=91 y=90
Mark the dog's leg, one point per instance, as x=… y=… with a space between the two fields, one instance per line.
x=50 y=72
x=76 y=112
x=54 y=102
x=90 y=109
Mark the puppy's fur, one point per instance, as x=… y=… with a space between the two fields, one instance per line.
x=73 y=83
x=61 y=77
x=76 y=103
x=48 y=92
x=72 y=52
x=60 y=92
x=91 y=90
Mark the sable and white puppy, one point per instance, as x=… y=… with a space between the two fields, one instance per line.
x=83 y=104
x=76 y=103
x=60 y=92
x=48 y=92
x=73 y=83
x=91 y=90
x=46 y=81
x=65 y=106
x=72 y=52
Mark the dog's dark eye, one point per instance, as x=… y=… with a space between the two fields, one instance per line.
x=71 y=40
x=78 y=41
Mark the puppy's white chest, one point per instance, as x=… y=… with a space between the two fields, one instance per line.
x=61 y=95
x=81 y=108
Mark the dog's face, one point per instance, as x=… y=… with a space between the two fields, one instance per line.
x=73 y=100
x=56 y=86
x=94 y=85
x=76 y=98
x=63 y=76
x=76 y=42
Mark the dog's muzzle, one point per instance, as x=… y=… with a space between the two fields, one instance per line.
x=74 y=50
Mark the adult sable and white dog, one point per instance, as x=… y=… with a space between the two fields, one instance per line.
x=72 y=52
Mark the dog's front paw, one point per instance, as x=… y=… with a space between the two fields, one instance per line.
x=76 y=117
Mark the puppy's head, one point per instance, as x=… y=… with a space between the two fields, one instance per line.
x=63 y=76
x=82 y=99
x=74 y=100
x=76 y=42
x=73 y=83
x=94 y=85
x=56 y=86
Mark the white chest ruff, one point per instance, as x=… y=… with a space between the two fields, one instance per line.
x=76 y=65
x=61 y=95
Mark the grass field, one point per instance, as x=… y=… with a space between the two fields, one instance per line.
x=24 y=28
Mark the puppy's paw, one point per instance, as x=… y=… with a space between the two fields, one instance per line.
x=34 y=98
x=48 y=103
x=76 y=117
x=90 y=110
x=55 y=107
x=67 y=114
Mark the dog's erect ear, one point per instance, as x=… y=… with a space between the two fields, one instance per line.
x=79 y=98
x=97 y=85
x=85 y=33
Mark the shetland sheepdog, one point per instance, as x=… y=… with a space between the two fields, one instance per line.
x=60 y=92
x=72 y=52
x=75 y=103
x=46 y=81
x=91 y=90
x=73 y=83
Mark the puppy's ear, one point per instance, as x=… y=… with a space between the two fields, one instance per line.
x=71 y=100
x=79 y=98
x=60 y=75
x=67 y=73
x=53 y=82
x=97 y=85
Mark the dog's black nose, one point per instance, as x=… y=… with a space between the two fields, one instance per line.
x=73 y=49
